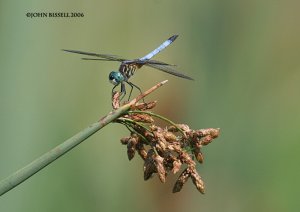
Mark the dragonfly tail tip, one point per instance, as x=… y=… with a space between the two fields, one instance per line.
x=172 y=38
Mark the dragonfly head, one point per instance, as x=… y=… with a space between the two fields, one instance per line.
x=115 y=77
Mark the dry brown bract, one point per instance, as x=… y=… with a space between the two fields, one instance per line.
x=167 y=149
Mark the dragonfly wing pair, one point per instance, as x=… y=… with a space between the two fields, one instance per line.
x=146 y=60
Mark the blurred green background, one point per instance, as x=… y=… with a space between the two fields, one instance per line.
x=244 y=56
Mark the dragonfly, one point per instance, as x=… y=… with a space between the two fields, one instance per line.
x=128 y=67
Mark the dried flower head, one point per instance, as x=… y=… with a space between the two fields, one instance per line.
x=167 y=149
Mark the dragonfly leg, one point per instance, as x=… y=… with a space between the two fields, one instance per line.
x=133 y=85
x=112 y=91
x=123 y=91
x=131 y=88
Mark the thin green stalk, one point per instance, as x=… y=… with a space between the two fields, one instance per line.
x=131 y=130
x=160 y=117
x=21 y=175
x=26 y=172
x=125 y=121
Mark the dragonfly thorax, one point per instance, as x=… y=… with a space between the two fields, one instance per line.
x=116 y=77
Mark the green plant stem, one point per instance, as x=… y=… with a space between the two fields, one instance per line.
x=131 y=130
x=21 y=175
x=160 y=117
x=26 y=172
x=126 y=121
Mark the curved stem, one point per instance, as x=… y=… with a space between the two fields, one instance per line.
x=134 y=131
x=160 y=117
x=126 y=121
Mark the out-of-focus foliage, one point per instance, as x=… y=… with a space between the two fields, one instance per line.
x=244 y=56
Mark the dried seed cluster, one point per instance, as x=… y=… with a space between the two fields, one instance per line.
x=167 y=149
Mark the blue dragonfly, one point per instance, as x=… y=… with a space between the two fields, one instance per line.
x=128 y=67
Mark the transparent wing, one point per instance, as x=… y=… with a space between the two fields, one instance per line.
x=105 y=57
x=110 y=57
x=138 y=62
x=169 y=70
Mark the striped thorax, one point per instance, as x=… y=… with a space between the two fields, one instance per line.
x=128 y=69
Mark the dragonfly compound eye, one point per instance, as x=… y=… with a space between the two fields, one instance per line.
x=115 y=77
